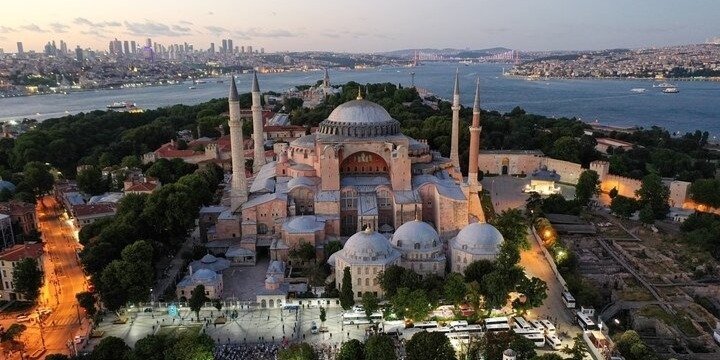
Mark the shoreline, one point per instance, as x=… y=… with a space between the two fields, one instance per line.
x=621 y=78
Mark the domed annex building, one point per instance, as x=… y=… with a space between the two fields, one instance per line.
x=356 y=176
x=477 y=241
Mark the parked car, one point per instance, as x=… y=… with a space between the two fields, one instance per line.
x=314 y=328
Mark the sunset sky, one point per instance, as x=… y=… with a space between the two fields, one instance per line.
x=362 y=25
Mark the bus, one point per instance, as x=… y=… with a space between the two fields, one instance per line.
x=568 y=299
x=463 y=335
x=537 y=324
x=441 y=329
x=522 y=324
x=353 y=318
x=425 y=324
x=497 y=324
x=548 y=326
x=554 y=342
x=458 y=323
x=585 y=322
x=537 y=339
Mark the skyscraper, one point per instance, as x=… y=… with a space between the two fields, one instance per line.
x=133 y=47
x=63 y=48
x=212 y=48
x=126 y=46
x=230 y=46
x=249 y=49
x=224 y=46
x=21 y=51
x=79 y=56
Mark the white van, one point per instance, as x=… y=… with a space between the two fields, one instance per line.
x=554 y=342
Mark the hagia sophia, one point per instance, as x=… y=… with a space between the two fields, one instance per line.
x=389 y=198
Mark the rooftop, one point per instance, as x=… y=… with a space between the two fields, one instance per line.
x=22 y=251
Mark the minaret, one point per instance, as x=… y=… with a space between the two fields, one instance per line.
x=454 y=155
x=238 y=190
x=259 y=150
x=326 y=83
x=474 y=141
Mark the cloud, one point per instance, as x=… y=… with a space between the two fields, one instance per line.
x=32 y=27
x=217 y=30
x=181 y=28
x=149 y=28
x=59 y=28
x=93 y=32
x=260 y=33
x=5 y=29
x=186 y=22
x=102 y=24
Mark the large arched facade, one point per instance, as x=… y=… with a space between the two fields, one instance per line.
x=363 y=163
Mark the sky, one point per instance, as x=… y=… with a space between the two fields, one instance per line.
x=362 y=25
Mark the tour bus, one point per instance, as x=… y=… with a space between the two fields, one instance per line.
x=585 y=322
x=549 y=327
x=425 y=324
x=568 y=299
x=537 y=324
x=462 y=335
x=497 y=324
x=536 y=338
x=440 y=329
x=522 y=324
x=554 y=341
x=354 y=318
x=454 y=324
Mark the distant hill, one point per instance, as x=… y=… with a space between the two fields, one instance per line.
x=409 y=53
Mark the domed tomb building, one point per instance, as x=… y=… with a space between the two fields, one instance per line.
x=420 y=247
x=477 y=241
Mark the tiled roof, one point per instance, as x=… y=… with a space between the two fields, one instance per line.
x=19 y=252
x=93 y=209
x=16 y=208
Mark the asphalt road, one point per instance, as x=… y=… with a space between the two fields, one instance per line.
x=63 y=279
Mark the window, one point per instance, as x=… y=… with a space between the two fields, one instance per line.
x=384 y=199
x=359 y=271
x=359 y=294
x=359 y=281
x=367 y=271
x=375 y=293
x=367 y=281
x=417 y=246
x=399 y=243
x=375 y=281
x=262 y=229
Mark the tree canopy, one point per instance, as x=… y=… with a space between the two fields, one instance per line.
x=27 y=278
x=430 y=345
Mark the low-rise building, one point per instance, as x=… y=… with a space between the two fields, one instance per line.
x=8 y=261
x=22 y=215
x=86 y=214
x=212 y=281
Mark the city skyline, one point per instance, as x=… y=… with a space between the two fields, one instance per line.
x=369 y=26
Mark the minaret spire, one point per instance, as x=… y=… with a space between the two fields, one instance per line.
x=474 y=141
x=326 y=83
x=359 y=97
x=238 y=190
x=455 y=134
x=258 y=139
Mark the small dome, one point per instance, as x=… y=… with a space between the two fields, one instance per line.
x=415 y=235
x=208 y=259
x=367 y=244
x=6 y=185
x=204 y=275
x=478 y=239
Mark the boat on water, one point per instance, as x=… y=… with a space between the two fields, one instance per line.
x=199 y=81
x=192 y=87
x=638 y=90
x=121 y=105
x=465 y=62
x=664 y=85
x=671 y=90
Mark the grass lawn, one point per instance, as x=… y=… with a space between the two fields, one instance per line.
x=681 y=320
x=178 y=330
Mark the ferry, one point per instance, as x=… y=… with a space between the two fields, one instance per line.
x=192 y=87
x=121 y=105
x=465 y=62
x=638 y=90
x=664 y=85
x=671 y=90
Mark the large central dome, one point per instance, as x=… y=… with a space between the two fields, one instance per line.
x=360 y=118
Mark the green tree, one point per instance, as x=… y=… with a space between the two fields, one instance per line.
x=57 y=357
x=90 y=181
x=301 y=351
x=351 y=350
x=323 y=315
x=13 y=332
x=305 y=252
x=477 y=269
x=705 y=191
x=27 y=278
x=370 y=303
x=513 y=227
x=190 y=346
x=631 y=346
x=430 y=345
x=535 y=291
x=411 y=304
x=549 y=356
x=588 y=185
x=87 y=302
x=654 y=193
x=493 y=344
x=347 y=299
x=111 y=348
x=197 y=300
x=332 y=247
x=131 y=162
x=380 y=347
x=613 y=193
x=37 y=178
x=151 y=347
x=623 y=206
x=455 y=288
x=646 y=215
x=579 y=349
x=391 y=279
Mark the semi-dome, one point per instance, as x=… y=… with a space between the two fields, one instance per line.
x=478 y=239
x=204 y=275
x=359 y=118
x=367 y=245
x=208 y=259
x=415 y=235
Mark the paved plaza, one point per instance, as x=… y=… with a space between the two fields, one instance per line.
x=507 y=193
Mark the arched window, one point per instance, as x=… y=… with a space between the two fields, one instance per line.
x=367 y=281
x=434 y=243
x=384 y=199
x=262 y=229
x=417 y=246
